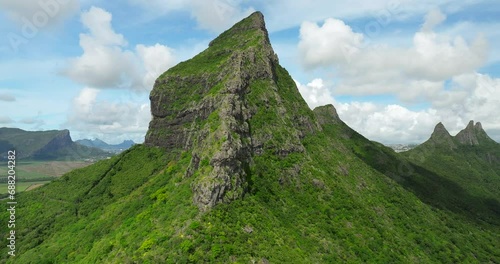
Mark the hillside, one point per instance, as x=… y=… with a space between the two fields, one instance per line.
x=114 y=148
x=471 y=159
x=237 y=169
x=45 y=145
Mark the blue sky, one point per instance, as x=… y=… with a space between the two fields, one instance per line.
x=393 y=69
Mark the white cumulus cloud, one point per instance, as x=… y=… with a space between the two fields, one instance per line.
x=334 y=42
x=315 y=93
x=432 y=19
x=366 y=69
x=39 y=13
x=109 y=120
x=107 y=63
x=213 y=15
x=471 y=96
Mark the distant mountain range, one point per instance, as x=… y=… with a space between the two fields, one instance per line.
x=401 y=147
x=115 y=148
x=45 y=145
x=470 y=160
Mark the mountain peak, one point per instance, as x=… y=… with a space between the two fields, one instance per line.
x=440 y=128
x=327 y=114
x=473 y=135
x=239 y=33
x=478 y=126
x=441 y=136
x=468 y=136
x=440 y=132
x=226 y=105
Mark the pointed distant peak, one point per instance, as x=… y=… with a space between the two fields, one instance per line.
x=327 y=114
x=256 y=20
x=478 y=126
x=474 y=135
x=439 y=126
x=242 y=32
x=470 y=126
x=441 y=136
x=439 y=129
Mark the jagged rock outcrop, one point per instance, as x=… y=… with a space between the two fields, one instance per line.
x=441 y=136
x=473 y=135
x=226 y=105
x=60 y=141
x=468 y=135
x=327 y=114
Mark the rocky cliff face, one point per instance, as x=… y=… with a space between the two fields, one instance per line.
x=468 y=135
x=473 y=135
x=441 y=136
x=226 y=105
x=60 y=141
x=327 y=114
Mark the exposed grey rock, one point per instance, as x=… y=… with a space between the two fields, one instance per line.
x=442 y=136
x=468 y=135
x=327 y=114
x=230 y=144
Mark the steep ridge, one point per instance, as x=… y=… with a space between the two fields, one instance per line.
x=471 y=159
x=235 y=109
x=473 y=135
x=97 y=143
x=237 y=168
x=441 y=136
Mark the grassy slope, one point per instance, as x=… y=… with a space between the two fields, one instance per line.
x=140 y=210
x=468 y=166
x=445 y=181
x=323 y=206
x=30 y=173
x=26 y=142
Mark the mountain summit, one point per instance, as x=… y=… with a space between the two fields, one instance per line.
x=441 y=136
x=236 y=168
x=229 y=103
x=473 y=135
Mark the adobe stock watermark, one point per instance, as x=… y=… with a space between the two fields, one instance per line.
x=373 y=28
x=31 y=26
x=224 y=8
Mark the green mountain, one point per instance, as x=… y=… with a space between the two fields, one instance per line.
x=114 y=148
x=237 y=169
x=471 y=160
x=44 y=145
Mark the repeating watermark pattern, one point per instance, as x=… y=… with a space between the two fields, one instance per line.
x=11 y=201
x=373 y=28
x=31 y=26
x=224 y=8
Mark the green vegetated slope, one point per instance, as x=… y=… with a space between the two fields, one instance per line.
x=470 y=161
x=240 y=171
x=464 y=181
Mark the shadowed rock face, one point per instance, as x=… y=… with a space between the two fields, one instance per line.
x=60 y=141
x=212 y=106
